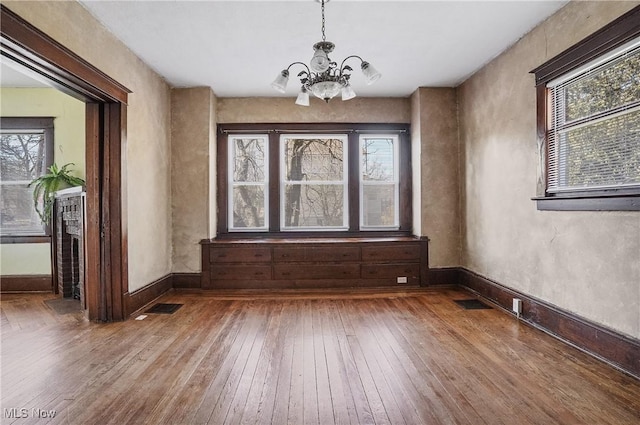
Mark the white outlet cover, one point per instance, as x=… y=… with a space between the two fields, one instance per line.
x=401 y=279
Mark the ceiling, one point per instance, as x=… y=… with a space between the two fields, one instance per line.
x=238 y=47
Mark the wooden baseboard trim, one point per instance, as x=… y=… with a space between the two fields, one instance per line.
x=620 y=351
x=140 y=298
x=25 y=283
x=186 y=280
x=444 y=276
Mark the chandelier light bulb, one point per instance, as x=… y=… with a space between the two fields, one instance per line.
x=303 y=97
x=371 y=74
x=347 y=92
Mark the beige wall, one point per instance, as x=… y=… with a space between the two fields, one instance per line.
x=584 y=262
x=435 y=152
x=193 y=111
x=147 y=154
x=35 y=259
x=284 y=110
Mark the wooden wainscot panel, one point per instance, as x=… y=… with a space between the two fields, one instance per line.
x=241 y=255
x=240 y=272
x=315 y=271
x=392 y=271
x=287 y=254
x=391 y=252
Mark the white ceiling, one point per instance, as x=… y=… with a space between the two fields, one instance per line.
x=238 y=47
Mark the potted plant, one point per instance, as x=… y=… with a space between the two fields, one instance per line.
x=45 y=187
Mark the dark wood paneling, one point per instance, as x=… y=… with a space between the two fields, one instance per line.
x=239 y=255
x=140 y=298
x=26 y=283
x=619 y=350
x=444 y=276
x=316 y=271
x=295 y=263
x=391 y=252
x=240 y=272
x=186 y=280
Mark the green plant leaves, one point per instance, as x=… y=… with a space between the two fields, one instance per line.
x=45 y=186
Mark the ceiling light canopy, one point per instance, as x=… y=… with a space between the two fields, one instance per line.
x=323 y=77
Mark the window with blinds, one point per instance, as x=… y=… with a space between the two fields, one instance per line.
x=594 y=125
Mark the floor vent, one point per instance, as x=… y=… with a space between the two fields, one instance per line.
x=472 y=304
x=162 y=308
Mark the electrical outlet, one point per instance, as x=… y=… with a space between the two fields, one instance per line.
x=401 y=279
x=517 y=306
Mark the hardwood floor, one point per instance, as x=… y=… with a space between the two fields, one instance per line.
x=366 y=357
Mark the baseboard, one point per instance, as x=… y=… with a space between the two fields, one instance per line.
x=26 y=283
x=142 y=297
x=619 y=350
x=186 y=280
x=444 y=276
x=139 y=298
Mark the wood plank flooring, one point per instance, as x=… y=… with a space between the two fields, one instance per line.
x=364 y=357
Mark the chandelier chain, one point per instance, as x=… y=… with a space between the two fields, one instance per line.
x=324 y=38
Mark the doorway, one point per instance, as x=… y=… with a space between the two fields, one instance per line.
x=43 y=58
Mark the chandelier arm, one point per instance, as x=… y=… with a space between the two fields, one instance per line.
x=349 y=57
x=300 y=63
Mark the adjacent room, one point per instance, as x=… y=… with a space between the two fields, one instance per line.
x=319 y=212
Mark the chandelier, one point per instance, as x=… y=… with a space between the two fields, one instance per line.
x=323 y=77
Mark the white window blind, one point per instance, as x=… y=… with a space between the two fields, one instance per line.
x=594 y=127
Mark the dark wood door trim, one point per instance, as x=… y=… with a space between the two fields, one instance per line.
x=106 y=265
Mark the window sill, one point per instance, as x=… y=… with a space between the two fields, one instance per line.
x=583 y=202
x=5 y=239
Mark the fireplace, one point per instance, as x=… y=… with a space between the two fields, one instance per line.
x=70 y=243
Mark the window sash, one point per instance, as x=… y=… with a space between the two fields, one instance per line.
x=394 y=183
x=28 y=225
x=582 y=162
x=233 y=185
x=343 y=183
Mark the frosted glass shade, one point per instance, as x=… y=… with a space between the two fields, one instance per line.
x=326 y=90
x=319 y=62
x=348 y=93
x=371 y=75
x=280 y=83
x=303 y=98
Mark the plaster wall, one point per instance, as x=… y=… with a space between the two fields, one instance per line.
x=69 y=139
x=584 y=262
x=281 y=109
x=435 y=152
x=147 y=154
x=191 y=127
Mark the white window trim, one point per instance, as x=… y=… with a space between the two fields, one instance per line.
x=232 y=184
x=345 y=182
x=395 y=182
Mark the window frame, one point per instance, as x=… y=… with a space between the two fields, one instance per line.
x=352 y=131
x=344 y=183
x=264 y=183
x=46 y=124
x=395 y=182
x=607 y=39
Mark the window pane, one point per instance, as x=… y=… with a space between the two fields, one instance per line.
x=314 y=205
x=377 y=159
x=378 y=205
x=248 y=206
x=313 y=159
x=22 y=159
x=249 y=159
x=601 y=154
x=611 y=86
